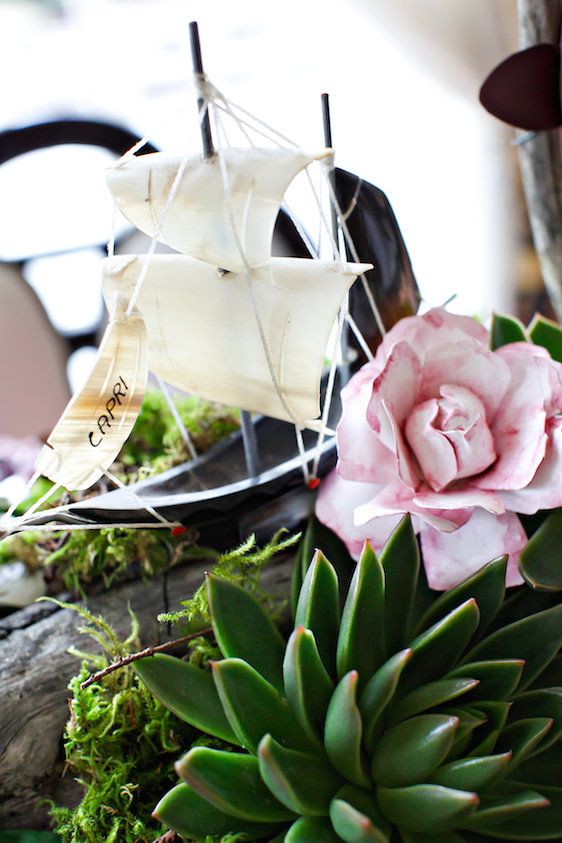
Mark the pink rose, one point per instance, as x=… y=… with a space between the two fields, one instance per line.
x=459 y=436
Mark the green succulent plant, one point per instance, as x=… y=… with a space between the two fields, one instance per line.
x=401 y=717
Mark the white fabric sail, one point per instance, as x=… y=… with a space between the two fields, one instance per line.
x=98 y=419
x=199 y=220
x=203 y=334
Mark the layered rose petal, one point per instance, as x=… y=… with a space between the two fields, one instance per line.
x=398 y=498
x=451 y=557
x=434 y=452
x=336 y=502
x=394 y=393
x=362 y=455
x=467 y=364
x=519 y=428
x=545 y=489
x=434 y=327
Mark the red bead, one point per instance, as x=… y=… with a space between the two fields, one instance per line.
x=180 y=530
x=313 y=483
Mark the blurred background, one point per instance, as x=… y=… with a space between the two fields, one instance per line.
x=403 y=78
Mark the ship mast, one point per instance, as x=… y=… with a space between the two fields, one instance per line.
x=247 y=425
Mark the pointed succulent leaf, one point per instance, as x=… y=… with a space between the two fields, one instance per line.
x=188 y=692
x=307 y=685
x=231 y=782
x=306 y=829
x=318 y=535
x=253 y=707
x=244 y=630
x=544 y=824
x=363 y=620
x=493 y=813
x=400 y=559
x=546 y=702
x=536 y=639
x=318 y=608
x=184 y=811
x=486 y=586
x=506 y=329
x=429 y=808
x=355 y=815
x=544 y=332
x=304 y=783
x=437 y=649
x=498 y=678
x=472 y=773
x=377 y=695
x=541 y=558
x=522 y=738
x=429 y=696
x=354 y=826
x=343 y=732
x=469 y=721
x=409 y=753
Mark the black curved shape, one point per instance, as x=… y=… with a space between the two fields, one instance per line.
x=15 y=142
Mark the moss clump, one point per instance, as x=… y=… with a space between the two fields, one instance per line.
x=120 y=744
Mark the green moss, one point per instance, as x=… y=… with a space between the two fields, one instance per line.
x=242 y=565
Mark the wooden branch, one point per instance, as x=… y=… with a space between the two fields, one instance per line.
x=35 y=669
x=540 y=158
x=142 y=654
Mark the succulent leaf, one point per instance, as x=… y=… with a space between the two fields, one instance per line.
x=410 y=752
x=354 y=811
x=427 y=807
x=498 y=679
x=301 y=782
x=318 y=608
x=307 y=684
x=363 y=619
x=472 y=774
x=545 y=702
x=306 y=829
x=540 y=561
x=495 y=812
x=544 y=332
x=430 y=696
x=243 y=629
x=253 y=707
x=188 y=691
x=506 y=329
x=486 y=586
x=543 y=824
x=192 y=816
x=344 y=730
x=436 y=650
x=400 y=559
x=379 y=692
x=232 y=783
x=536 y=639
x=522 y=737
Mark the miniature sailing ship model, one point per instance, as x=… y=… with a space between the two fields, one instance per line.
x=220 y=317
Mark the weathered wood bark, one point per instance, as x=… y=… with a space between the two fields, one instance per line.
x=540 y=158
x=35 y=668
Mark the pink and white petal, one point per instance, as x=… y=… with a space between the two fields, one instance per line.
x=433 y=451
x=398 y=498
x=408 y=470
x=362 y=455
x=519 y=426
x=545 y=489
x=462 y=498
x=335 y=504
x=470 y=365
x=449 y=558
x=434 y=327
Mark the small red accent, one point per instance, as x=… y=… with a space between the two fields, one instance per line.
x=179 y=531
x=313 y=483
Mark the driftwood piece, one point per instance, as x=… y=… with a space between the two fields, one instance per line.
x=540 y=158
x=35 y=669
